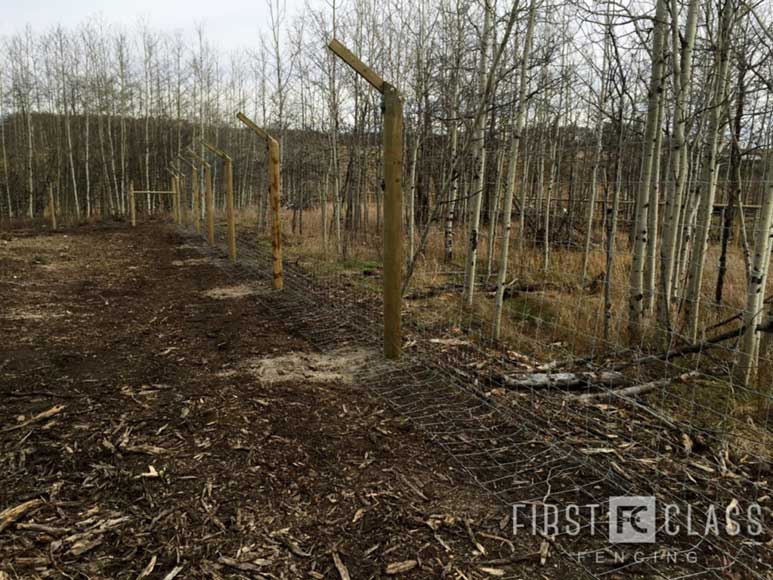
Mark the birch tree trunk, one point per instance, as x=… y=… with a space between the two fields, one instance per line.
x=479 y=162
x=453 y=179
x=682 y=76
x=598 y=150
x=512 y=167
x=6 y=172
x=635 y=301
x=710 y=167
x=755 y=289
x=650 y=263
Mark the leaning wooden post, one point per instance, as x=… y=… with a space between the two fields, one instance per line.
x=132 y=205
x=275 y=185
x=52 y=205
x=229 y=198
x=393 y=196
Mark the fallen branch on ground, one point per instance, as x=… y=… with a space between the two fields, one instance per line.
x=562 y=380
x=697 y=347
x=39 y=417
x=633 y=390
x=9 y=516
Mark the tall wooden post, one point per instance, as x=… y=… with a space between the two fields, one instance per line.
x=229 y=208
x=393 y=239
x=229 y=198
x=274 y=170
x=393 y=196
x=275 y=193
x=195 y=200
x=52 y=205
x=132 y=205
x=210 y=199
x=176 y=199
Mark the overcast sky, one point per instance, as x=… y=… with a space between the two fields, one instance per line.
x=229 y=24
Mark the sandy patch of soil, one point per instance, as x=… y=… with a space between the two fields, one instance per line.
x=232 y=292
x=338 y=366
x=191 y=262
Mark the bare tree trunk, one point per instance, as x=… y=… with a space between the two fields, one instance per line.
x=5 y=154
x=479 y=162
x=612 y=227
x=711 y=164
x=650 y=264
x=599 y=147
x=512 y=167
x=493 y=214
x=635 y=304
x=756 y=284
x=30 y=184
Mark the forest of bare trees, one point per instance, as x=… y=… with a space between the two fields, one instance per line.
x=634 y=135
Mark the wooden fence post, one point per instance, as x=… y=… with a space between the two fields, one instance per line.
x=229 y=197
x=393 y=196
x=132 y=205
x=393 y=240
x=275 y=193
x=52 y=205
x=176 y=199
x=229 y=208
x=274 y=169
x=195 y=200
x=210 y=205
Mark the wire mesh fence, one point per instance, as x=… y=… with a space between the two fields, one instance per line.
x=700 y=443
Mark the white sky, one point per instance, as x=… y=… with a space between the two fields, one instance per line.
x=229 y=24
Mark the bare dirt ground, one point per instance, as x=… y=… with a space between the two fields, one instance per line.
x=156 y=422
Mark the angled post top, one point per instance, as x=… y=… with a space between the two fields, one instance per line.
x=197 y=157
x=357 y=65
x=251 y=124
x=188 y=162
x=219 y=152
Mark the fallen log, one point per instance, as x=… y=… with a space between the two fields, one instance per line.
x=562 y=380
x=632 y=391
x=694 y=348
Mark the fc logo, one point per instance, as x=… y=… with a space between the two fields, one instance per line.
x=632 y=519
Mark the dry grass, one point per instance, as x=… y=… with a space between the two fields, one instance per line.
x=564 y=319
x=564 y=311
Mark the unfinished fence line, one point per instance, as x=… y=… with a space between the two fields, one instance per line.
x=613 y=334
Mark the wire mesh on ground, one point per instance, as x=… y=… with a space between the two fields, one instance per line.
x=531 y=447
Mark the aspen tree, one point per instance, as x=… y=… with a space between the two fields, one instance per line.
x=591 y=209
x=515 y=142
x=710 y=167
x=756 y=284
x=453 y=190
x=650 y=263
x=635 y=301
x=479 y=161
